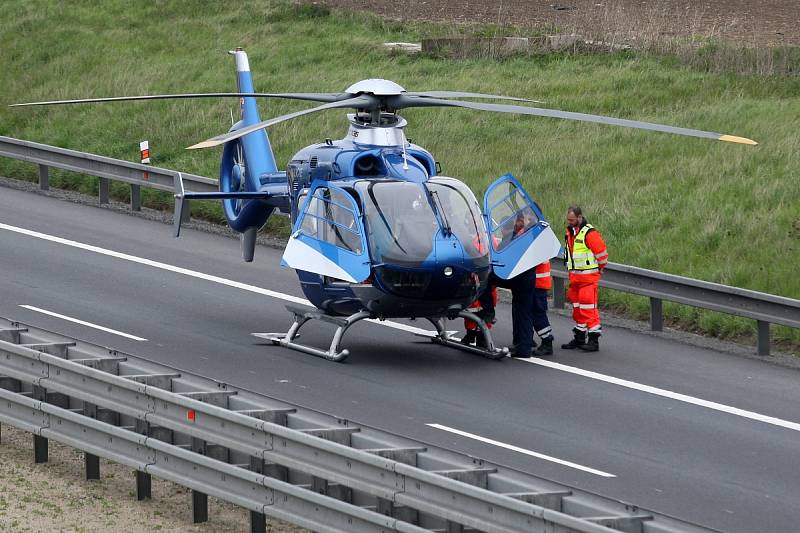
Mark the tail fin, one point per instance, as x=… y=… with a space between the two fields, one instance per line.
x=257 y=148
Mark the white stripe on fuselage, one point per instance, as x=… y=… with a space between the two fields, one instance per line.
x=301 y=256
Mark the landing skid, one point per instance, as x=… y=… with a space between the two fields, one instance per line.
x=445 y=337
x=303 y=315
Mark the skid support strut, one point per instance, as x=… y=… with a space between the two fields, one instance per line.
x=443 y=337
x=303 y=315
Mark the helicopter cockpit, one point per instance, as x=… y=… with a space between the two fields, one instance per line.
x=409 y=223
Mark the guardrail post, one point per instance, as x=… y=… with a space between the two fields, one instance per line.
x=143 y=486
x=763 y=338
x=92 y=466
x=199 y=499
x=136 y=197
x=199 y=507
x=558 y=293
x=39 y=449
x=258 y=522
x=104 y=187
x=656 y=315
x=44 y=177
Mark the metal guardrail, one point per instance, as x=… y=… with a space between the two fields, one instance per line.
x=765 y=308
x=106 y=168
x=317 y=471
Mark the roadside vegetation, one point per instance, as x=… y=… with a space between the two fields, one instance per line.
x=709 y=210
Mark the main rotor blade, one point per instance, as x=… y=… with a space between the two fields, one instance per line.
x=315 y=97
x=410 y=101
x=360 y=102
x=456 y=94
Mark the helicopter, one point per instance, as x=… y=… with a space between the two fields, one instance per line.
x=377 y=231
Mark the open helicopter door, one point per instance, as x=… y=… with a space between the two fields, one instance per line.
x=521 y=237
x=328 y=236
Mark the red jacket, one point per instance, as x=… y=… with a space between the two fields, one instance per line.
x=543 y=278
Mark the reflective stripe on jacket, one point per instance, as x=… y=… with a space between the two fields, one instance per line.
x=543 y=278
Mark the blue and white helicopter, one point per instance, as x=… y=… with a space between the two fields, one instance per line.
x=377 y=231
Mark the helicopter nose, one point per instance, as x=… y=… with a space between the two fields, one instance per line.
x=449 y=252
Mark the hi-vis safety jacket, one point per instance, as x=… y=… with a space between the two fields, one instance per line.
x=585 y=254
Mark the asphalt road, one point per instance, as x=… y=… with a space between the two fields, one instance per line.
x=695 y=433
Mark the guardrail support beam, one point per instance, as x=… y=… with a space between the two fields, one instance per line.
x=453 y=527
x=136 y=197
x=92 y=466
x=143 y=486
x=199 y=507
x=558 y=293
x=656 y=315
x=186 y=214
x=763 y=338
x=104 y=188
x=44 y=177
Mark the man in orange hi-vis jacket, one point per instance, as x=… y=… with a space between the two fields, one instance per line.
x=585 y=256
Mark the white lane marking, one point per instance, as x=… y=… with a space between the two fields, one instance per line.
x=522 y=450
x=396 y=325
x=82 y=322
x=794 y=426
x=192 y=273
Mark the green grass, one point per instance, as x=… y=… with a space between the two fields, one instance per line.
x=708 y=210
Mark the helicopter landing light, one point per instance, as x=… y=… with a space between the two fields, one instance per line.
x=448 y=271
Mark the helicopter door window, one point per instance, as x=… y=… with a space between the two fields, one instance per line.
x=510 y=215
x=330 y=219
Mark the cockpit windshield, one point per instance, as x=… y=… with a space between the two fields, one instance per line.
x=401 y=219
x=461 y=213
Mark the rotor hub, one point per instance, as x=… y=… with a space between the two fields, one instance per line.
x=376 y=86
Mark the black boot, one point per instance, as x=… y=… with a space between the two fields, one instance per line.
x=579 y=340
x=480 y=339
x=469 y=337
x=593 y=344
x=544 y=349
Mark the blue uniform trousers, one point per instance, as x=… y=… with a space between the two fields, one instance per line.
x=541 y=324
x=523 y=296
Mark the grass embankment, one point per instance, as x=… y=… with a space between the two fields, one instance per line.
x=704 y=209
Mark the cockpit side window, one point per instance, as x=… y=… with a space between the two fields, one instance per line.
x=329 y=218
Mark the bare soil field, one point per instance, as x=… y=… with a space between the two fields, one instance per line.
x=55 y=496
x=752 y=23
